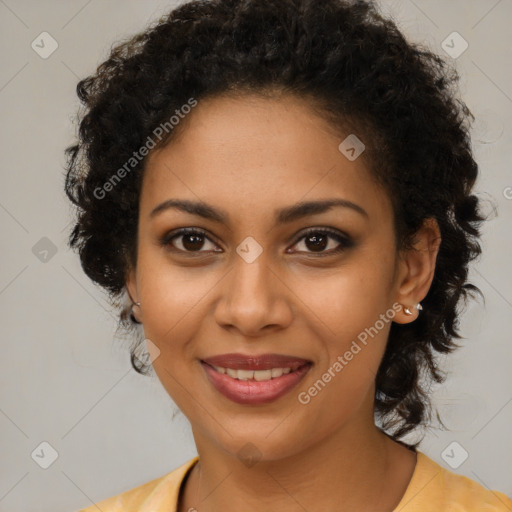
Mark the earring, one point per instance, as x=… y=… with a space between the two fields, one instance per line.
x=132 y=316
x=407 y=311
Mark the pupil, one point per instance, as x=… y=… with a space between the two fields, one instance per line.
x=319 y=242
x=196 y=244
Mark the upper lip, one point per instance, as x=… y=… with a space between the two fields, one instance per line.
x=255 y=362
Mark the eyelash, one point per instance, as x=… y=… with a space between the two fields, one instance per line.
x=344 y=241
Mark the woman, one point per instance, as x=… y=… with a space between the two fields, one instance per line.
x=283 y=191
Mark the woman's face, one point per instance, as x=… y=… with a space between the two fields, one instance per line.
x=255 y=283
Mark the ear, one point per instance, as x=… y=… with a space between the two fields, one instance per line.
x=416 y=270
x=131 y=286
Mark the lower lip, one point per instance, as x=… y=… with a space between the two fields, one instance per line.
x=251 y=391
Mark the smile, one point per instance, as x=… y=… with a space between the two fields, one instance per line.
x=254 y=380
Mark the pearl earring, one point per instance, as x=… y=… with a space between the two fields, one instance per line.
x=132 y=316
x=407 y=311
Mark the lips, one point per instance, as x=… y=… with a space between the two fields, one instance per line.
x=247 y=379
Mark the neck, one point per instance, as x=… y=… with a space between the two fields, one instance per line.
x=352 y=469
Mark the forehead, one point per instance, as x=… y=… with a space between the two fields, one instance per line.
x=261 y=152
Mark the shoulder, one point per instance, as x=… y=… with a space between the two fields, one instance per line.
x=437 y=489
x=160 y=494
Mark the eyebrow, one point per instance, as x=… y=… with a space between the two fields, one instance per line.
x=281 y=216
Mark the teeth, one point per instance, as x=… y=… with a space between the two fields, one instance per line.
x=232 y=373
x=276 y=372
x=244 y=374
x=258 y=375
x=261 y=374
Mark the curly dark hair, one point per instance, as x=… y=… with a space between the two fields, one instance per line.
x=355 y=67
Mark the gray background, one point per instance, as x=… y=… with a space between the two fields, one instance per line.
x=65 y=380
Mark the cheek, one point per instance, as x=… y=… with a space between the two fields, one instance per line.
x=351 y=298
x=173 y=297
x=354 y=307
x=343 y=384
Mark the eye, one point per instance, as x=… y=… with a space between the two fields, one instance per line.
x=317 y=239
x=192 y=240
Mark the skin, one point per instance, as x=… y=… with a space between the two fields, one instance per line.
x=249 y=156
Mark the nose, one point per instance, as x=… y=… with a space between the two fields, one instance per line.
x=254 y=299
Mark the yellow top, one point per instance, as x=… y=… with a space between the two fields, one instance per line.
x=432 y=489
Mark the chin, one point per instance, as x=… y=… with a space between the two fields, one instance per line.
x=252 y=445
